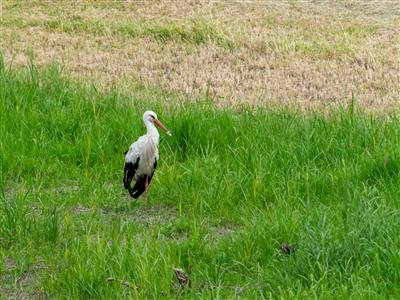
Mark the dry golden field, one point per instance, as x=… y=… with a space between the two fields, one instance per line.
x=299 y=53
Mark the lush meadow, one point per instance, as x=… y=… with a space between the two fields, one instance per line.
x=232 y=187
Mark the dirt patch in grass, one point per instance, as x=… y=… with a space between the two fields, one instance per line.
x=80 y=209
x=293 y=53
x=153 y=214
x=21 y=286
x=224 y=230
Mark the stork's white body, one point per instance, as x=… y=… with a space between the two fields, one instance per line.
x=146 y=149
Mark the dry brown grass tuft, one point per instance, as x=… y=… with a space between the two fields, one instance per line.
x=295 y=53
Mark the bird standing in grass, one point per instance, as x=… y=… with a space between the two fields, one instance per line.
x=142 y=156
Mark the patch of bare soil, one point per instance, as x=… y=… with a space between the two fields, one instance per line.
x=153 y=214
x=224 y=230
x=80 y=209
x=22 y=286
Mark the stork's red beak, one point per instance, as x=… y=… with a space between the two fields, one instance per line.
x=161 y=125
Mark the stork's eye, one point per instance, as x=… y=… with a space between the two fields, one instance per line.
x=153 y=117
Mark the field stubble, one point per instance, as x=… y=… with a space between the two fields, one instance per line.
x=299 y=54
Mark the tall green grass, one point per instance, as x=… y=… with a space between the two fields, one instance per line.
x=230 y=188
x=197 y=32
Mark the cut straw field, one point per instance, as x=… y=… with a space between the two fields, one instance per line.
x=302 y=54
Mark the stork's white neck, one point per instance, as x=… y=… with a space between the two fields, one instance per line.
x=152 y=132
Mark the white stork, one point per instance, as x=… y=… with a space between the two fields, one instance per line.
x=142 y=156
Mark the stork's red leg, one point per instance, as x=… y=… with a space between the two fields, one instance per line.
x=146 y=185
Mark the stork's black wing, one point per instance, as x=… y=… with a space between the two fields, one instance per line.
x=129 y=174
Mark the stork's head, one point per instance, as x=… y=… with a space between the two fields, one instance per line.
x=151 y=117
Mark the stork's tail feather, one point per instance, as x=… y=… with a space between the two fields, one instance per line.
x=139 y=187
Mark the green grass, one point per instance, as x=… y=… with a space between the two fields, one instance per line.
x=197 y=32
x=231 y=187
x=319 y=41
